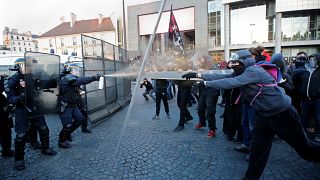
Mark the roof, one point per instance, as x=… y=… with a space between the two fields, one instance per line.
x=83 y=26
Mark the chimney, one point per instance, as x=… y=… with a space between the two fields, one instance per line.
x=62 y=20
x=73 y=19
x=100 y=18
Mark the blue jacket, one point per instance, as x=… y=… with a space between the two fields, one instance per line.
x=271 y=100
x=70 y=85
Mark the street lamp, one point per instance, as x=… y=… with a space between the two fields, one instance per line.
x=251 y=26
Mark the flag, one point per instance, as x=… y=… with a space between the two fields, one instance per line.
x=174 y=35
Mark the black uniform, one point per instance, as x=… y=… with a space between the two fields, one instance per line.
x=5 y=123
x=24 y=98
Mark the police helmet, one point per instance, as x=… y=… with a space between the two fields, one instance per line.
x=71 y=68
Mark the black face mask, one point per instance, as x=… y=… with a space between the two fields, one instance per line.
x=238 y=69
x=302 y=58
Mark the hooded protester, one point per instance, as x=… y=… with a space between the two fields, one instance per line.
x=286 y=82
x=260 y=89
x=308 y=85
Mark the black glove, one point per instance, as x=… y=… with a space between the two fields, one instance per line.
x=200 y=83
x=96 y=77
x=190 y=75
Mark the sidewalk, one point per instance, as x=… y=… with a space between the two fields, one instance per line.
x=151 y=150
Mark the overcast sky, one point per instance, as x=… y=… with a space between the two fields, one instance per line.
x=39 y=16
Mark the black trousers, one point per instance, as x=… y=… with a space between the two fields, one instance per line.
x=232 y=120
x=84 y=124
x=182 y=100
x=5 y=132
x=162 y=95
x=287 y=126
x=207 y=109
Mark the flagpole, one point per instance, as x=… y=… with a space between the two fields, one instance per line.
x=146 y=55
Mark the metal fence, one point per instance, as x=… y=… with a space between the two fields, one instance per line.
x=100 y=57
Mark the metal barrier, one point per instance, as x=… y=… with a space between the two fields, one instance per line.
x=100 y=57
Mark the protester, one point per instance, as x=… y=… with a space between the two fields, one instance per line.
x=149 y=89
x=274 y=113
x=161 y=95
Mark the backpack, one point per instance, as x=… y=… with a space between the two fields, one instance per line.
x=273 y=70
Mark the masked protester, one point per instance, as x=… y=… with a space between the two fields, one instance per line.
x=299 y=76
x=260 y=88
x=70 y=83
x=286 y=82
x=5 y=123
x=307 y=83
x=22 y=89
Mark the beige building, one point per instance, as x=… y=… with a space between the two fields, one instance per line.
x=65 y=38
x=18 y=43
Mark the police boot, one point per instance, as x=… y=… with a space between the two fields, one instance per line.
x=44 y=138
x=35 y=145
x=63 y=135
x=84 y=126
x=86 y=130
x=19 y=144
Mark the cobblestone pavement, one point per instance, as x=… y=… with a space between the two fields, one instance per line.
x=151 y=150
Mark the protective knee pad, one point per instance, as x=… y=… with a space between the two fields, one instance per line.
x=65 y=132
x=19 y=144
x=44 y=130
x=44 y=137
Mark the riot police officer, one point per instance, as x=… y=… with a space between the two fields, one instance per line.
x=70 y=83
x=5 y=123
x=22 y=89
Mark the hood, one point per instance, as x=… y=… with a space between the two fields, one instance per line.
x=277 y=59
x=317 y=57
x=247 y=62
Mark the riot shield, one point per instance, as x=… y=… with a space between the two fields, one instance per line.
x=41 y=76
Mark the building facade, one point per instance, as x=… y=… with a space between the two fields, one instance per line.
x=191 y=18
x=65 y=39
x=18 y=43
x=221 y=26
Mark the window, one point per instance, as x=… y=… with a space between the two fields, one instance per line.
x=18 y=43
x=29 y=49
x=20 y=49
x=65 y=52
x=25 y=49
x=29 y=44
x=13 y=42
x=24 y=43
x=22 y=38
x=86 y=53
x=14 y=49
x=17 y=37
x=28 y=39
x=85 y=41
x=50 y=43
x=74 y=40
x=62 y=42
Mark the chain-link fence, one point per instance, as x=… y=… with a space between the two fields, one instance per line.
x=100 y=57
